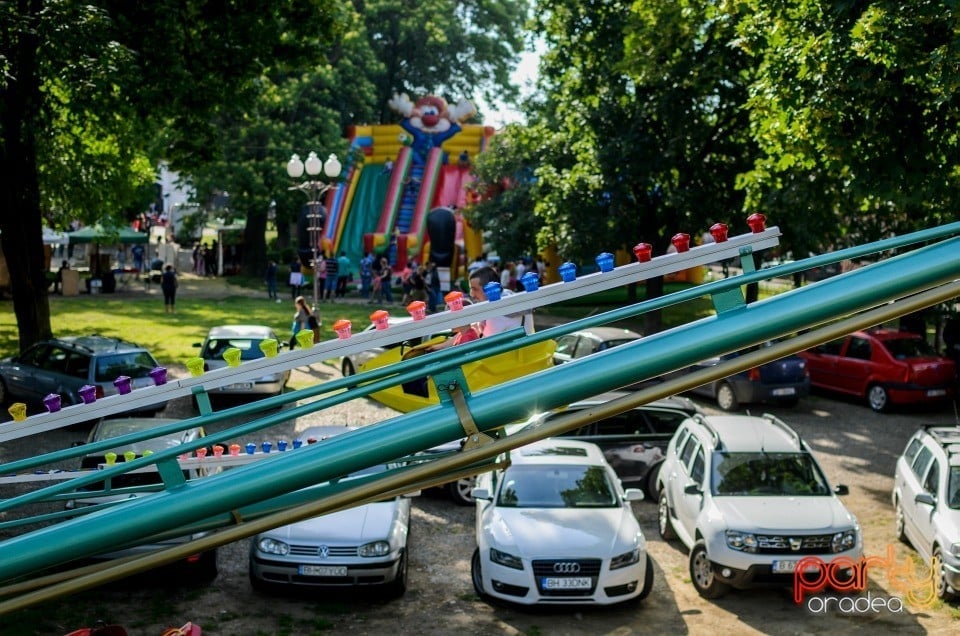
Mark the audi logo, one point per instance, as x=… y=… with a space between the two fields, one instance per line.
x=566 y=568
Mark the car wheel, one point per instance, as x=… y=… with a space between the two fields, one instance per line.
x=476 y=575
x=944 y=591
x=900 y=523
x=647 y=581
x=702 y=575
x=346 y=368
x=398 y=586
x=651 y=489
x=205 y=569
x=664 y=524
x=461 y=491
x=726 y=398
x=877 y=398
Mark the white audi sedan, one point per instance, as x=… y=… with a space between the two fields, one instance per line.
x=556 y=527
x=364 y=546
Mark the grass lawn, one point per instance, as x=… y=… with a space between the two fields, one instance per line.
x=141 y=319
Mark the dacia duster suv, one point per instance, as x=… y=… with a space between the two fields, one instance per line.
x=748 y=499
x=926 y=496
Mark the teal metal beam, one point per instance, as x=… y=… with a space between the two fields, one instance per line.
x=655 y=355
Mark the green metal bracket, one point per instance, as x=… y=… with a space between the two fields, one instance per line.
x=733 y=298
x=170 y=472
x=203 y=400
x=452 y=388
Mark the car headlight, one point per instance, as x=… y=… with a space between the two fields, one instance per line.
x=843 y=541
x=272 y=546
x=375 y=549
x=742 y=541
x=625 y=559
x=507 y=560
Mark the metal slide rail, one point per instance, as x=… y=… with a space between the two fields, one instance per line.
x=735 y=326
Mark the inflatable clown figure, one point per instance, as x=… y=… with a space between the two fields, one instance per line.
x=430 y=121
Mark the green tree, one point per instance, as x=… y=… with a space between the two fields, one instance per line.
x=446 y=47
x=856 y=110
x=86 y=90
x=640 y=126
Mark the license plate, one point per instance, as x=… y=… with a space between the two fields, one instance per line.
x=568 y=583
x=784 y=567
x=936 y=392
x=239 y=386
x=323 y=570
x=785 y=391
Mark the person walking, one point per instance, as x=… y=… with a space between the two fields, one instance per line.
x=366 y=275
x=296 y=277
x=385 y=275
x=343 y=274
x=270 y=278
x=302 y=320
x=168 y=284
x=333 y=272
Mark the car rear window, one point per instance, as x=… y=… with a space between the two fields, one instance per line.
x=136 y=364
x=249 y=348
x=901 y=348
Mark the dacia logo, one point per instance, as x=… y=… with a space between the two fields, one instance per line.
x=795 y=543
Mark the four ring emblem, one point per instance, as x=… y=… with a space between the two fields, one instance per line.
x=566 y=568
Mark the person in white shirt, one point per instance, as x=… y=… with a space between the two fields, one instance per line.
x=497 y=324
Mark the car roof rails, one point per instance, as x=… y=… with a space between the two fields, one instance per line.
x=776 y=421
x=700 y=419
x=944 y=435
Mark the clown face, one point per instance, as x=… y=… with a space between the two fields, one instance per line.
x=430 y=115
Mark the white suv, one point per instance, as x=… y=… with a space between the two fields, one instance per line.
x=748 y=499
x=926 y=495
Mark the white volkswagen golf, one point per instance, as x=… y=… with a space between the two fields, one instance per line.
x=556 y=527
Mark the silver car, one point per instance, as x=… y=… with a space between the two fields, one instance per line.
x=358 y=547
x=201 y=566
x=247 y=339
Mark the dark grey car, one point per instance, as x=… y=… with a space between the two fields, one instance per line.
x=63 y=365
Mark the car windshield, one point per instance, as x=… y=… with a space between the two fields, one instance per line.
x=901 y=348
x=136 y=364
x=953 y=488
x=249 y=348
x=765 y=474
x=566 y=486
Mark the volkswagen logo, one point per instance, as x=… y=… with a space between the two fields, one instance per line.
x=566 y=568
x=323 y=551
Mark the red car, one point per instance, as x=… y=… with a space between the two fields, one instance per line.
x=885 y=366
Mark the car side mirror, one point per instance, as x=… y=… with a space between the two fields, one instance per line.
x=481 y=493
x=925 y=498
x=633 y=494
x=841 y=489
x=692 y=489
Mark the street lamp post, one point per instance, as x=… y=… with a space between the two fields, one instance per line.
x=314 y=189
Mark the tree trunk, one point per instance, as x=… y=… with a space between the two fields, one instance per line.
x=254 y=242
x=21 y=234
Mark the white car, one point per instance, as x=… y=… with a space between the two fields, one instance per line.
x=350 y=364
x=556 y=527
x=926 y=496
x=746 y=496
x=362 y=546
x=247 y=339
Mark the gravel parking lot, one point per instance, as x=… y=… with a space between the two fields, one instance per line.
x=856 y=447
